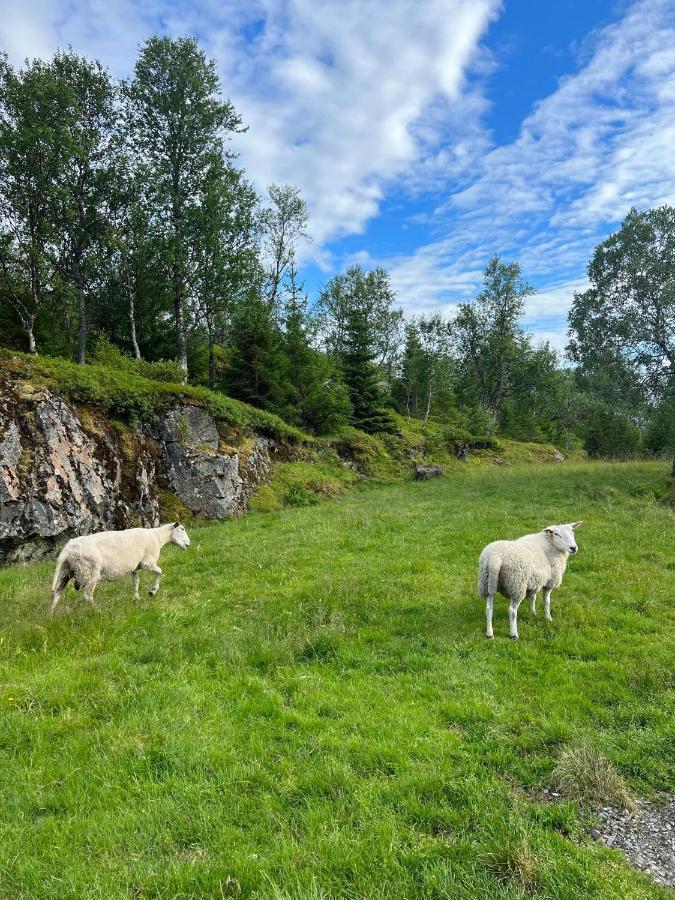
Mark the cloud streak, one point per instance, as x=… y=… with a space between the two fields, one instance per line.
x=339 y=96
x=601 y=143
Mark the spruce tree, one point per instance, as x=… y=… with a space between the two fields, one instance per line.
x=361 y=375
x=317 y=398
x=257 y=371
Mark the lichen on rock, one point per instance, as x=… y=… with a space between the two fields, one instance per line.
x=66 y=470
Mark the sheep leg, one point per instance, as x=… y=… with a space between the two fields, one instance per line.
x=57 y=593
x=488 y=615
x=136 y=579
x=533 y=604
x=547 y=604
x=155 y=584
x=513 y=618
x=88 y=590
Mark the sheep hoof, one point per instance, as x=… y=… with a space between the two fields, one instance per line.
x=514 y=637
x=151 y=593
x=489 y=636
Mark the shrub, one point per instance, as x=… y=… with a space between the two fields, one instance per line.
x=108 y=354
x=299 y=495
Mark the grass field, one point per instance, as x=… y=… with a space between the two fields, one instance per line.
x=309 y=708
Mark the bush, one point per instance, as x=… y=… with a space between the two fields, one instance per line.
x=299 y=495
x=108 y=354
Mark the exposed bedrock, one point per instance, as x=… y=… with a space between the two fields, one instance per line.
x=66 y=470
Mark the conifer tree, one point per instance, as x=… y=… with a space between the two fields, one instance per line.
x=361 y=375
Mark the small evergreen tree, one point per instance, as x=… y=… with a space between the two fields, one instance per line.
x=318 y=399
x=257 y=369
x=361 y=375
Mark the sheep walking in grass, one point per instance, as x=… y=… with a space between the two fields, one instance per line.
x=522 y=568
x=110 y=555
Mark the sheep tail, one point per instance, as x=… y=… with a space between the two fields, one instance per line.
x=488 y=576
x=63 y=572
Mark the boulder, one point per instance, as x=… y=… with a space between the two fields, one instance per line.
x=423 y=473
x=66 y=471
x=558 y=457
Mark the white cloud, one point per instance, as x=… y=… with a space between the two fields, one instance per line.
x=602 y=142
x=345 y=99
x=335 y=94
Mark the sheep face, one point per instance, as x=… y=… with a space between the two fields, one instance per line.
x=562 y=537
x=179 y=536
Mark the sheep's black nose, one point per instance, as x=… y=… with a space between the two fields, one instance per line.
x=573 y=549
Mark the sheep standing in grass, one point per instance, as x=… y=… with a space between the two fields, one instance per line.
x=522 y=568
x=109 y=555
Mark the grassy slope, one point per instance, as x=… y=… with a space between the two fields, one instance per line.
x=309 y=708
x=126 y=396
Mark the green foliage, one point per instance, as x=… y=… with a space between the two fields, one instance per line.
x=105 y=353
x=321 y=477
x=283 y=225
x=317 y=398
x=257 y=370
x=298 y=495
x=315 y=683
x=128 y=397
x=370 y=295
x=360 y=374
x=625 y=318
x=490 y=341
x=176 y=125
x=612 y=435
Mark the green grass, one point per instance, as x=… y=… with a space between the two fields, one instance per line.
x=309 y=708
x=129 y=397
x=304 y=483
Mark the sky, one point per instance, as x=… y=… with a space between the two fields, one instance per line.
x=426 y=136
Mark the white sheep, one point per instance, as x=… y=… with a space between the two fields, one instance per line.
x=109 y=555
x=519 y=569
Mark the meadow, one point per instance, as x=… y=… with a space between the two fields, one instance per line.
x=309 y=708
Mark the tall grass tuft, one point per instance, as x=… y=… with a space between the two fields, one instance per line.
x=585 y=774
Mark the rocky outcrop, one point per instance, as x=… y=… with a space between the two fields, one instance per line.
x=66 y=470
x=58 y=478
x=206 y=478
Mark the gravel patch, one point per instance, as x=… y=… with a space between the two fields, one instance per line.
x=646 y=836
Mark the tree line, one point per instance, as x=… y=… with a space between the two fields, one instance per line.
x=128 y=231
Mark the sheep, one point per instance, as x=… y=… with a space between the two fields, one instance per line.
x=109 y=555
x=521 y=568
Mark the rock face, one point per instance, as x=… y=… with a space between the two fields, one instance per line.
x=66 y=471
x=58 y=479
x=208 y=481
x=423 y=473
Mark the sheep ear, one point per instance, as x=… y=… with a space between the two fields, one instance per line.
x=549 y=531
x=576 y=525
x=176 y=524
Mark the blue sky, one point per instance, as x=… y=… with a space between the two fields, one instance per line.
x=426 y=136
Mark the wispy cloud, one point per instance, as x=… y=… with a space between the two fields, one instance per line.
x=601 y=143
x=340 y=96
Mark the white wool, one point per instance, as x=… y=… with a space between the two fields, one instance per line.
x=109 y=555
x=521 y=568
